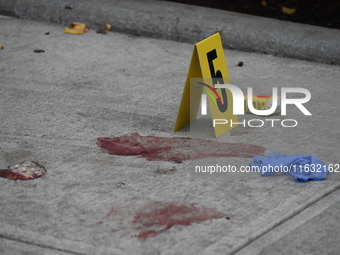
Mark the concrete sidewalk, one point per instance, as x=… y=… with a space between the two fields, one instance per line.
x=186 y=23
x=54 y=105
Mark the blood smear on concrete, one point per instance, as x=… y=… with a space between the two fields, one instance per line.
x=162 y=217
x=174 y=148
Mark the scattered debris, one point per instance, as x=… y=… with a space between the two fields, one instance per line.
x=120 y=184
x=288 y=11
x=166 y=171
x=157 y=128
x=101 y=32
x=26 y=170
x=1 y=47
x=68 y=8
x=38 y=51
x=240 y=63
x=77 y=28
x=47 y=33
x=107 y=27
x=104 y=31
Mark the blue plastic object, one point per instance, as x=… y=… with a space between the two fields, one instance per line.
x=301 y=167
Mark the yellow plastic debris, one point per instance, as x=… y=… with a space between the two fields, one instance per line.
x=107 y=27
x=77 y=28
x=289 y=11
x=1 y=47
x=264 y=3
x=262 y=103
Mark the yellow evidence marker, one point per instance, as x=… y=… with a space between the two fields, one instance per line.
x=207 y=63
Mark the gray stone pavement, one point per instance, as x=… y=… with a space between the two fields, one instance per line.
x=54 y=105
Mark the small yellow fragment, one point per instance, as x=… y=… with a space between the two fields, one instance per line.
x=264 y=3
x=77 y=28
x=107 y=27
x=1 y=47
x=288 y=11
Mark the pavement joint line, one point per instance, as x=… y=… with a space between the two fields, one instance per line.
x=10 y=232
x=47 y=139
x=285 y=218
x=3 y=236
x=72 y=247
x=309 y=213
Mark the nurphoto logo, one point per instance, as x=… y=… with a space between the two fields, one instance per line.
x=241 y=102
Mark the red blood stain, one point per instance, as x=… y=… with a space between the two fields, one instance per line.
x=175 y=148
x=5 y=173
x=163 y=217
